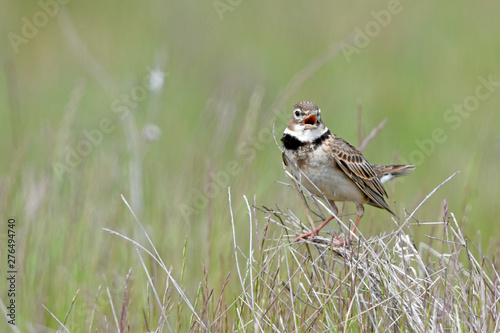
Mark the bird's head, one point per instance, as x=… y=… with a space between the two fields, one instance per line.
x=306 y=124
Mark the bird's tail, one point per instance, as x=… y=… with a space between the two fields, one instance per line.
x=388 y=172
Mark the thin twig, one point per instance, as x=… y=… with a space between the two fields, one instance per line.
x=53 y=316
x=372 y=135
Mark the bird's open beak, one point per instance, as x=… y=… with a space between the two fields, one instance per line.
x=311 y=120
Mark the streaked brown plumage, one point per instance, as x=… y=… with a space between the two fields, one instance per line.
x=328 y=165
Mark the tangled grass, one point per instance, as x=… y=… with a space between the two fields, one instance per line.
x=383 y=283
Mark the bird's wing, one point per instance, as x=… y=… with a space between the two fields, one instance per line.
x=360 y=171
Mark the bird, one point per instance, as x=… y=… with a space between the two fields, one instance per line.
x=330 y=167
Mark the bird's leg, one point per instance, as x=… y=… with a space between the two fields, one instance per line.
x=360 y=211
x=316 y=230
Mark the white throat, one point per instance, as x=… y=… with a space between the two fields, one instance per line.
x=305 y=135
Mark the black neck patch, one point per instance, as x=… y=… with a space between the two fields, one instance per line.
x=322 y=138
x=292 y=143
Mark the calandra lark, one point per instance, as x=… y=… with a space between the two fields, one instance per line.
x=330 y=167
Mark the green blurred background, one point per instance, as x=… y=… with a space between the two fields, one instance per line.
x=232 y=69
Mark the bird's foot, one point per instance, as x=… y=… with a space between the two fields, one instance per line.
x=314 y=233
x=310 y=234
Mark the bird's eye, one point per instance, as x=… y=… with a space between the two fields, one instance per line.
x=296 y=113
